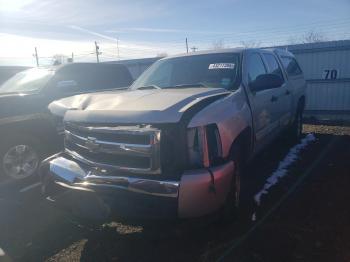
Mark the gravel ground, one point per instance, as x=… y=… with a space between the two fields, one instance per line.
x=311 y=225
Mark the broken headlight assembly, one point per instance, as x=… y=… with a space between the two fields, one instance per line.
x=204 y=146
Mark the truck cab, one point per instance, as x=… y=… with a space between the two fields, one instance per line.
x=175 y=142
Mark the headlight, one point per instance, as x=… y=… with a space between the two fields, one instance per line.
x=204 y=146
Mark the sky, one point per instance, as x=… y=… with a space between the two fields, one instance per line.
x=156 y=27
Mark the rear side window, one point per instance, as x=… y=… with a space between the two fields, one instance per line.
x=255 y=67
x=96 y=77
x=273 y=66
x=291 y=66
x=112 y=77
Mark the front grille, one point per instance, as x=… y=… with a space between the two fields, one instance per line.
x=128 y=148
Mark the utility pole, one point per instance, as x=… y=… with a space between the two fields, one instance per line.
x=194 y=49
x=36 y=57
x=97 y=52
x=70 y=59
x=186 y=45
x=118 y=48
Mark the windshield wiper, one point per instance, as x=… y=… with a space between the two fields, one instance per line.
x=148 y=87
x=186 y=86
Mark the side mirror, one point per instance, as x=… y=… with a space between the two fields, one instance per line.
x=67 y=86
x=266 y=81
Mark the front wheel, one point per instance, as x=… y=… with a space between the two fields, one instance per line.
x=19 y=157
x=231 y=207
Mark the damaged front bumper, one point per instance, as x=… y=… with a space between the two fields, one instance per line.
x=71 y=183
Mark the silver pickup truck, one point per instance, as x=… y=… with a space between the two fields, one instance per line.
x=174 y=143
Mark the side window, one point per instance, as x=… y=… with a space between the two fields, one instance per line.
x=109 y=77
x=255 y=67
x=291 y=66
x=87 y=79
x=272 y=64
x=65 y=84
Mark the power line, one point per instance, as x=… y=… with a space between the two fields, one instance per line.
x=194 y=49
x=271 y=31
x=322 y=23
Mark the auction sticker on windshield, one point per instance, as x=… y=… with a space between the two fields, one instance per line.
x=222 y=66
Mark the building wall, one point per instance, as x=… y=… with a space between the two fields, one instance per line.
x=326 y=67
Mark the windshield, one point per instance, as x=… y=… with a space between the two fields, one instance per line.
x=210 y=70
x=28 y=81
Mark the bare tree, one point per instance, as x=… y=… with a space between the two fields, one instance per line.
x=308 y=37
x=59 y=59
x=312 y=37
x=218 y=44
x=250 y=44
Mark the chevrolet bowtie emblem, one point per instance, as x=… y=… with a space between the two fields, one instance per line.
x=91 y=144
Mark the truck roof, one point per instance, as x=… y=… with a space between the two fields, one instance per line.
x=81 y=65
x=217 y=51
x=231 y=50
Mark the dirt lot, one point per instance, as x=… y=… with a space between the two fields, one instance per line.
x=305 y=217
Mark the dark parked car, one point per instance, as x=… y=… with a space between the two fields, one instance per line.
x=28 y=131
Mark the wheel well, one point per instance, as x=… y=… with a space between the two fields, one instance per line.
x=40 y=129
x=243 y=143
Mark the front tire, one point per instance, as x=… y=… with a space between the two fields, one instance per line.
x=231 y=207
x=20 y=157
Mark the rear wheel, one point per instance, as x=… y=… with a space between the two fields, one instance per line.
x=19 y=157
x=297 y=127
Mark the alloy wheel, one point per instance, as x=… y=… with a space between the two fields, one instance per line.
x=20 y=161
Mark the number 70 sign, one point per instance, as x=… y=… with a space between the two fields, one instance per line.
x=330 y=74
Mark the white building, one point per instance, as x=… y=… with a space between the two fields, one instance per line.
x=326 y=67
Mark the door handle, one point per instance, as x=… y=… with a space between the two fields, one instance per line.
x=287 y=92
x=274 y=98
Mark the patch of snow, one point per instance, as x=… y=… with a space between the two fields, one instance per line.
x=254 y=217
x=2 y=253
x=281 y=171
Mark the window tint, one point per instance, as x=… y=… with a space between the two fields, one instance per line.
x=112 y=76
x=29 y=81
x=272 y=64
x=255 y=67
x=291 y=66
x=96 y=77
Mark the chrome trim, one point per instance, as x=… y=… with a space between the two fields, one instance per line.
x=135 y=130
x=134 y=170
x=113 y=147
x=70 y=174
x=150 y=151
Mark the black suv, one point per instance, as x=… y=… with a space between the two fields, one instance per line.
x=27 y=130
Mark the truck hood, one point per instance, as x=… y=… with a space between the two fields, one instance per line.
x=134 y=106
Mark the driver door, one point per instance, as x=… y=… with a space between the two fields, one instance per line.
x=283 y=103
x=265 y=117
